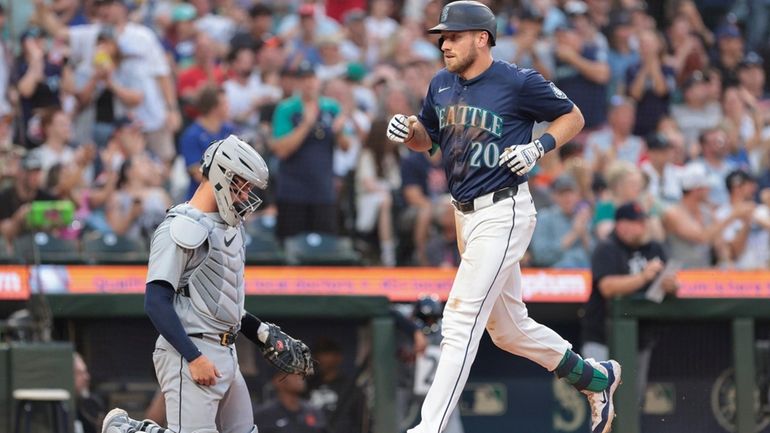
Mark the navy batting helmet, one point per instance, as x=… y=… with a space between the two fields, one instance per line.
x=465 y=15
x=428 y=308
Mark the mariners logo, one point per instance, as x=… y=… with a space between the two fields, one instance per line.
x=444 y=13
x=557 y=91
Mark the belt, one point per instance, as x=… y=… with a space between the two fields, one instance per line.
x=224 y=339
x=485 y=200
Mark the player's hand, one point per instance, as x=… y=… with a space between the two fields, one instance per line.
x=400 y=128
x=521 y=158
x=203 y=371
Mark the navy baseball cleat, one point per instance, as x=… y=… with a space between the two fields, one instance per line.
x=117 y=421
x=602 y=406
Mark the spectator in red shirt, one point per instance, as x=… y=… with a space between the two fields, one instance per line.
x=204 y=71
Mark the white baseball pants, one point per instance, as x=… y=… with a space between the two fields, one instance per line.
x=487 y=294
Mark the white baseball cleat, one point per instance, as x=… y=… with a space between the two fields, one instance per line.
x=117 y=421
x=602 y=406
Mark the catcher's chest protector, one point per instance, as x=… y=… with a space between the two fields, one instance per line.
x=215 y=279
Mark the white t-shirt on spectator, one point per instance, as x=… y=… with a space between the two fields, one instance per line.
x=240 y=98
x=220 y=29
x=667 y=187
x=50 y=157
x=380 y=28
x=692 y=122
x=756 y=253
x=630 y=149
x=716 y=175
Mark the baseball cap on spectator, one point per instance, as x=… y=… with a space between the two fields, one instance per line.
x=692 y=177
x=259 y=10
x=737 y=178
x=31 y=161
x=306 y=10
x=630 y=211
x=333 y=39
x=355 y=72
x=530 y=14
x=728 y=31
x=32 y=32
x=564 y=183
x=183 y=12
x=696 y=77
x=657 y=141
x=354 y=15
x=751 y=59
x=575 y=7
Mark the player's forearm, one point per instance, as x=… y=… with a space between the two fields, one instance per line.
x=159 y=306
x=420 y=141
x=250 y=327
x=566 y=126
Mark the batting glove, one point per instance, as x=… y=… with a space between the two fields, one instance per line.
x=521 y=158
x=399 y=128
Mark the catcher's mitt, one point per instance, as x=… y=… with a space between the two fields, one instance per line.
x=287 y=354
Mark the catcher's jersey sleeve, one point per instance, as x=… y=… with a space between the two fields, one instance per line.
x=167 y=259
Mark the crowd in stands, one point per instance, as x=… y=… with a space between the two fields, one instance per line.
x=109 y=104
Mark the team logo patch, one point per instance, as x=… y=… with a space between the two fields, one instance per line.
x=444 y=13
x=557 y=91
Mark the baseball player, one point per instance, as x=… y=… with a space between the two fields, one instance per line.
x=195 y=299
x=480 y=112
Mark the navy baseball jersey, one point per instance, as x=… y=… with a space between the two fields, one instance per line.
x=474 y=120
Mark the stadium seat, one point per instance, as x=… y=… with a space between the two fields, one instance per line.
x=47 y=249
x=321 y=249
x=109 y=249
x=262 y=248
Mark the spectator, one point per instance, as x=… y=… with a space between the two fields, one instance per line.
x=748 y=237
x=258 y=29
x=89 y=407
x=692 y=227
x=622 y=53
x=716 y=167
x=306 y=129
x=42 y=82
x=335 y=394
x=15 y=198
x=301 y=40
x=730 y=51
x=112 y=90
x=136 y=209
x=615 y=141
x=625 y=264
x=625 y=183
x=219 y=27
x=288 y=411
x=355 y=46
x=205 y=71
x=70 y=12
x=663 y=176
x=650 y=83
x=246 y=93
x=743 y=115
x=696 y=114
x=127 y=141
x=181 y=36
x=6 y=61
x=441 y=249
x=377 y=179
x=422 y=182
x=562 y=237
x=525 y=48
x=332 y=64
x=581 y=69
x=751 y=77
x=686 y=53
x=57 y=133
x=211 y=125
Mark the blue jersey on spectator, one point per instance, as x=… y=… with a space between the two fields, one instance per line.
x=474 y=120
x=588 y=95
x=194 y=141
x=651 y=107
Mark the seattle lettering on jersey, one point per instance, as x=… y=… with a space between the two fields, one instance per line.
x=467 y=115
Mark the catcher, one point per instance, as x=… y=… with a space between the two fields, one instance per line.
x=195 y=299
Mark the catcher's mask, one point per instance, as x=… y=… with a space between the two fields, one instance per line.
x=234 y=168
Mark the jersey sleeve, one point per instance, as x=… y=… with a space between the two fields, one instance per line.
x=167 y=259
x=282 y=119
x=540 y=100
x=428 y=116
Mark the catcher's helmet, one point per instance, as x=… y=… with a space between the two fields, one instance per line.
x=428 y=308
x=467 y=15
x=223 y=161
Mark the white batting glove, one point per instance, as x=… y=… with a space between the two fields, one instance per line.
x=521 y=158
x=399 y=128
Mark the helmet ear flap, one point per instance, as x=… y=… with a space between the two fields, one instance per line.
x=208 y=159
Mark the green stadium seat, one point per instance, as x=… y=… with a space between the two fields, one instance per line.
x=262 y=248
x=321 y=249
x=109 y=249
x=45 y=248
